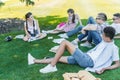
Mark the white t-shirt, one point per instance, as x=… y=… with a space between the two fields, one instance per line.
x=103 y=55
x=117 y=27
x=100 y=27
x=30 y=27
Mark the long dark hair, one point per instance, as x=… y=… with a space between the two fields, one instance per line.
x=27 y=16
x=73 y=17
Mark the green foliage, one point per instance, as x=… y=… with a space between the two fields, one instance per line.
x=1 y=4
x=28 y=2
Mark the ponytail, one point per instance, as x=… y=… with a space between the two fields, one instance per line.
x=26 y=25
x=73 y=18
x=34 y=28
x=27 y=16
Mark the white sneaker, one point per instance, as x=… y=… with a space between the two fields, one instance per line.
x=30 y=59
x=74 y=42
x=43 y=31
x=49 y=68
x=63 y=35
x=84 y=39
x=86 y=44
x=47 y=32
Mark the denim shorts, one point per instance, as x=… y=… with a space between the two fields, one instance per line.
x=35 y=33
x=80 y=58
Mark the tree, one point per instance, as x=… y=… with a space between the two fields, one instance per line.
x=1 y=3
x=28 y=2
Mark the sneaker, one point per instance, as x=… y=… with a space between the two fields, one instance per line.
x=43 y=31
x=74 y=42
x=63 y=35
x=84 y=39
x=30 y=59
x=47 y=32
x=54 y=49
x=49 y=68
x=86 y=44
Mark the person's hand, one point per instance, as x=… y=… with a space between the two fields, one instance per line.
x=28 y=35
x=83 y=31
x=101 y=71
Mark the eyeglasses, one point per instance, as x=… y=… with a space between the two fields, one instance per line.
x=114 y=18
x=98 y=18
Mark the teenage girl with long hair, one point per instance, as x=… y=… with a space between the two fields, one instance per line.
x=32 y=29
x=72 y=22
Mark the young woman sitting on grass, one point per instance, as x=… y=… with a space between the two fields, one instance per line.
x=98 y=59
x=73 y=20
x=32 y=29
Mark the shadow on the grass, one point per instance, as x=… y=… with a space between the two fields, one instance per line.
x=50 y=22
x=13 y=56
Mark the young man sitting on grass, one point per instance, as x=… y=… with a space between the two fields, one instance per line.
x=98 y=59
x=116 y=24
x=92 y=31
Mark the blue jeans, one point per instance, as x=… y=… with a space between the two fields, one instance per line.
x=81 y=36
x=94 y=36
x=76 y=30
x=91 y=20
x=80 y=58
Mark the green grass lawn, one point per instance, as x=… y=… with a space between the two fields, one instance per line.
x=13 y=56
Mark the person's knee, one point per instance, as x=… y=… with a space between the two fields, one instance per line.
x=80 y=27
x=25 y=39
x=91 y=18
x=96 y=37
x=64 y=42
